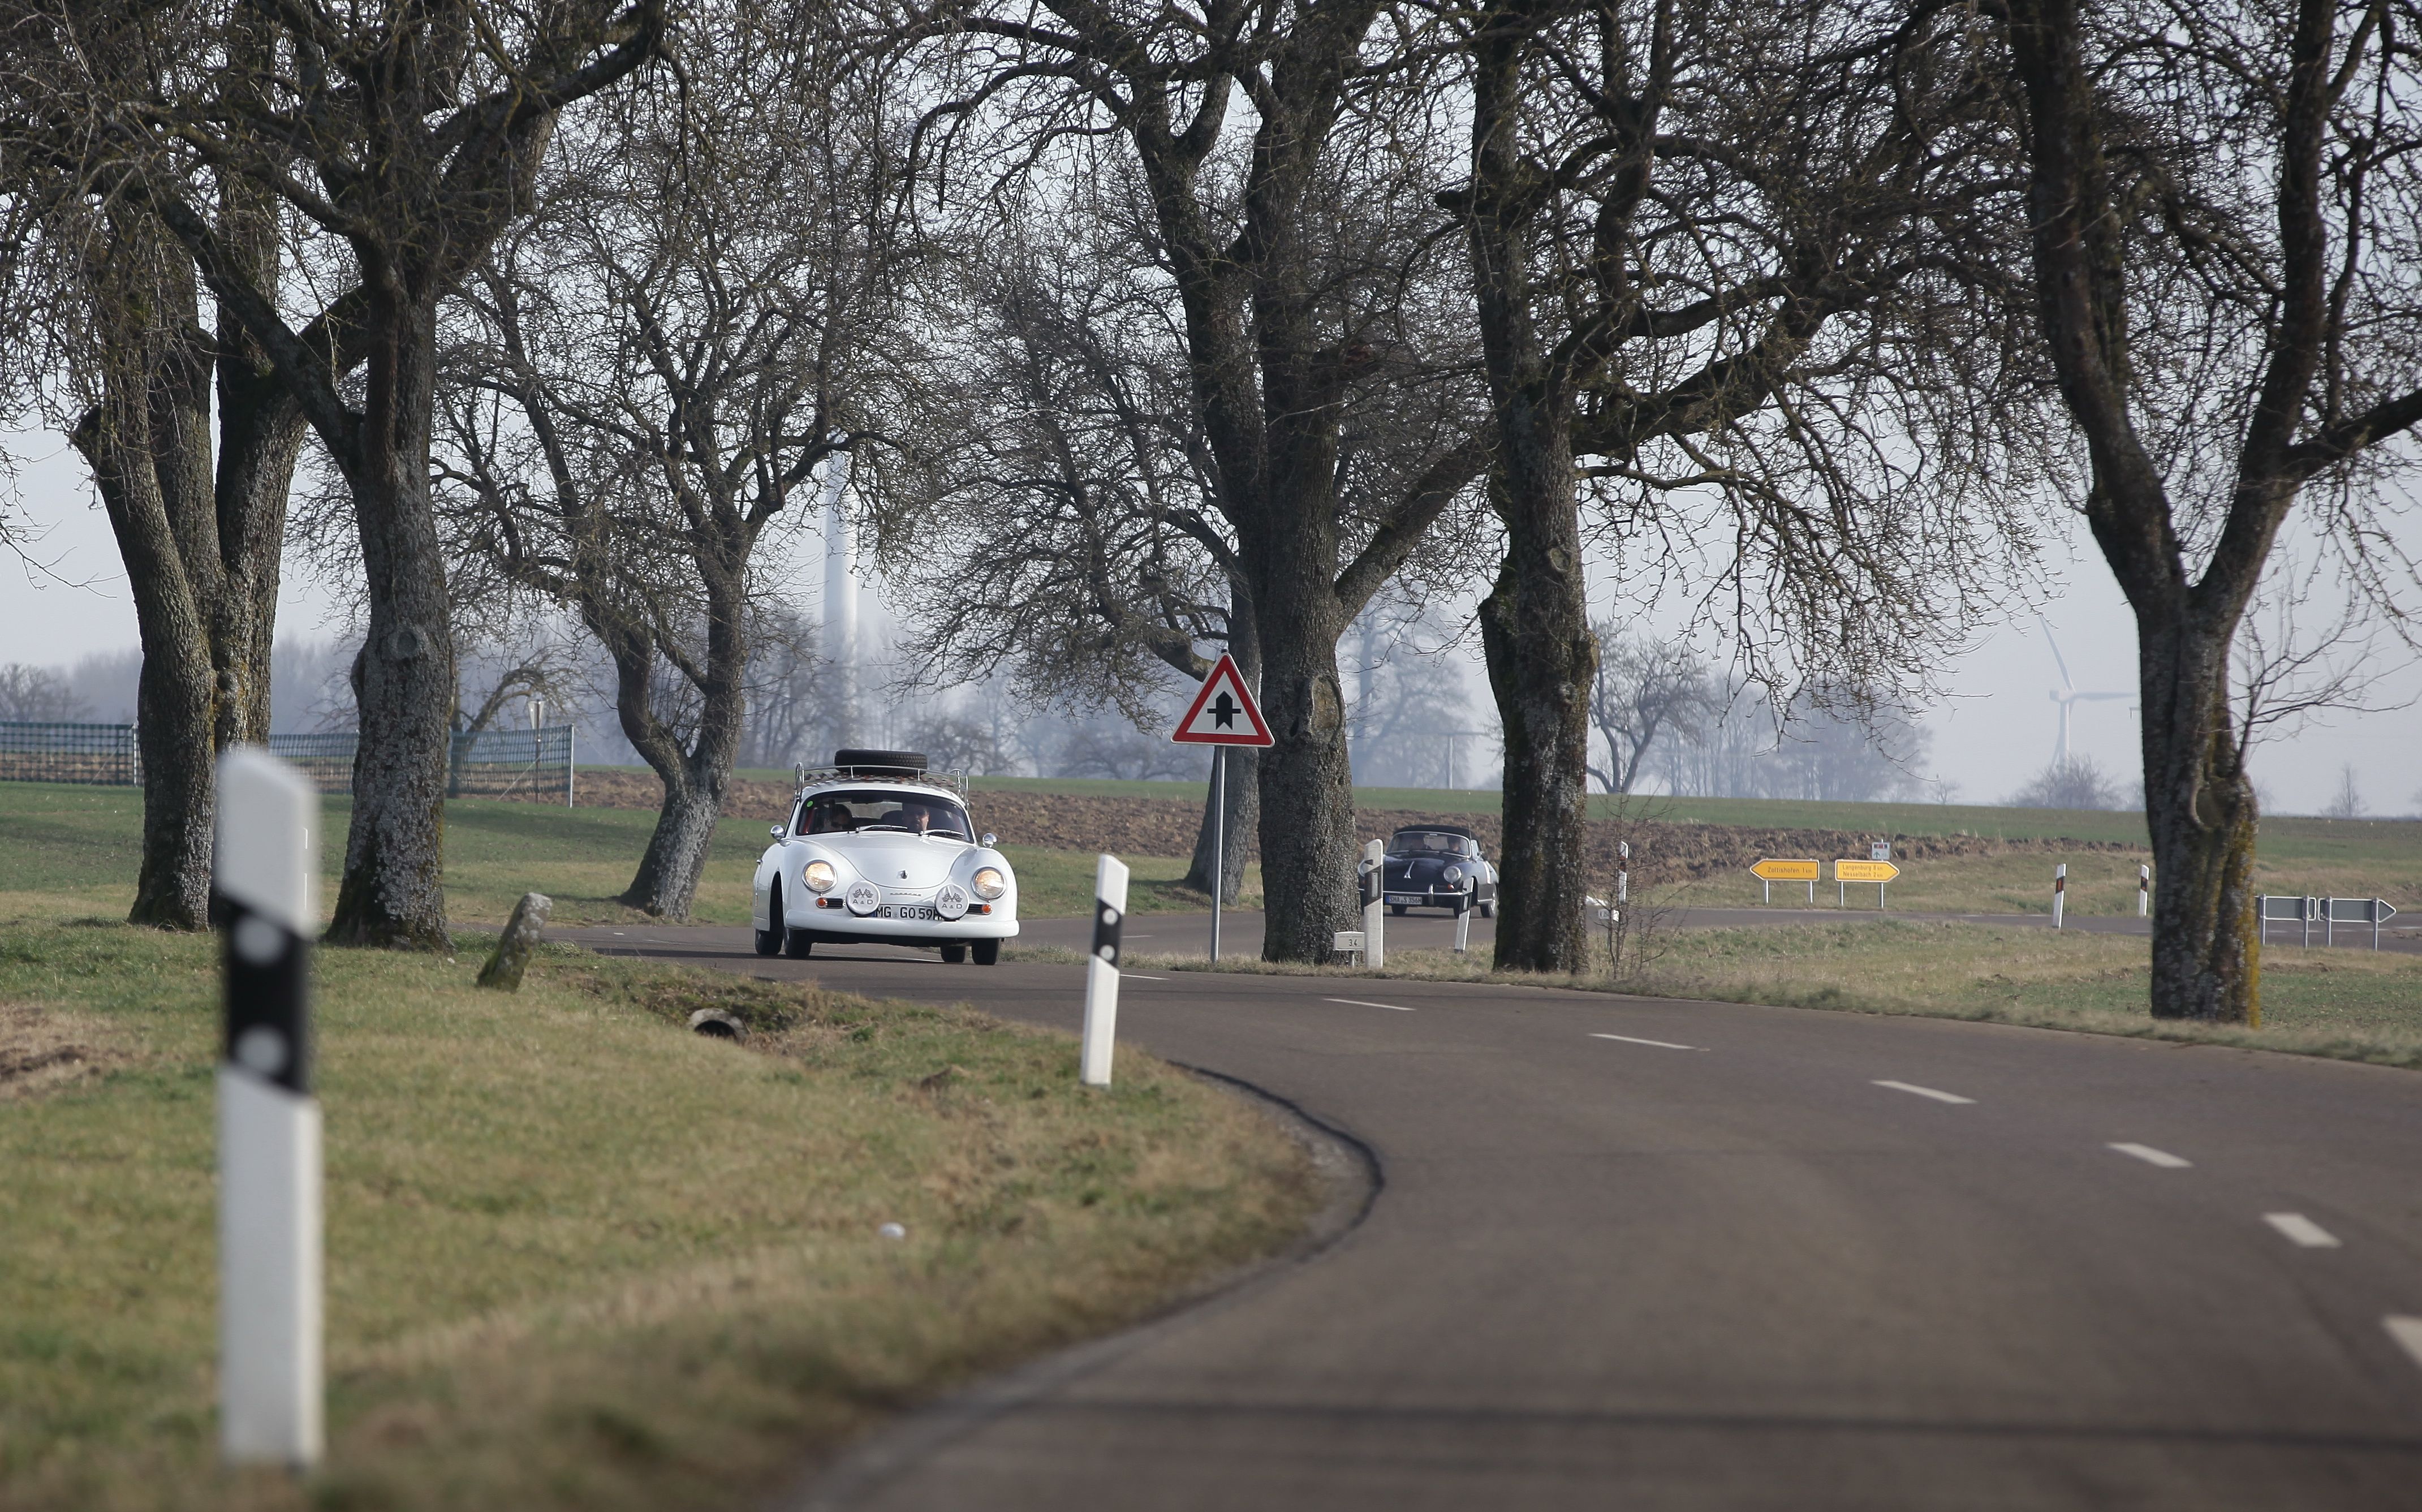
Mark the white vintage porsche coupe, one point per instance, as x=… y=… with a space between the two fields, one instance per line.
x=877 y=852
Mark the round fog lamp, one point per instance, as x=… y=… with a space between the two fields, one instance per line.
x=1454 y=876
x=951 y=902
x=988 y=883
x=819 y=876
x=863 y=898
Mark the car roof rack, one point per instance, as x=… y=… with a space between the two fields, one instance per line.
x=951 y=782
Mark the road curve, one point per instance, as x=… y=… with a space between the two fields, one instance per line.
x=1646 y=1253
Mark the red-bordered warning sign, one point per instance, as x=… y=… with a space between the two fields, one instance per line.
x=1223 y=714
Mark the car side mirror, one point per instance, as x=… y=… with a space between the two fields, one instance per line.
x=779 y=831
x=990 y=839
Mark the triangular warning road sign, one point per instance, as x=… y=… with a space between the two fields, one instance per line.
x=1223 y=712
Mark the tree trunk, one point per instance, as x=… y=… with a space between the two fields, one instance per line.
x=393 y=893
x=1243 y=820
x=260 y=435
x=1306 y=778
x=1534 y=631
x=1535 y=625
x=666 y=883
x=695 y=781
x=2200 y=808
x=173 y=705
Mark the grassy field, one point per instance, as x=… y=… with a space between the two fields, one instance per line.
x=2353 y=1004
x=577 y=1257
x=83 y=845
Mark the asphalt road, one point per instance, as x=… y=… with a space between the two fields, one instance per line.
x=1642 y=1254
x=1172 y=934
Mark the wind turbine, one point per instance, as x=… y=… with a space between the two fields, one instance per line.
x=2065 y=695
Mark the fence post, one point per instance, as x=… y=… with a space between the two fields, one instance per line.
x=2059 y=891
x=1102 y=971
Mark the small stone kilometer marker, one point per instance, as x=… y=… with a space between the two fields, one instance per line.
x=1102 y=971
x=2059 y=891
x=265 y=873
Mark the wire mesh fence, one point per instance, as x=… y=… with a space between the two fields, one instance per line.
x=496 y=763
x=48 y=752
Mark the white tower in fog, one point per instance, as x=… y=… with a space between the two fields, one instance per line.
x=841 y=599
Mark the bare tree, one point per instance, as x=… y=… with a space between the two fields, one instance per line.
x=1642 y=689
x=1076 y=540
x=1726 y=248
x=191 y=439
x=2346 y=802
x=1288 y=235
x=401 y=143
x=677 y=344
x=2228 y=274
x=2078 y=782
x=36 y=693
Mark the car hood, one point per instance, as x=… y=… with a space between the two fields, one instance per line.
x=1425 y=867
x=882 y=858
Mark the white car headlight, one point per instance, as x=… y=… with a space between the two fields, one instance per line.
x=988 y=883
x=820 y=876
x=863 y=898
x=951 y=902
x=1454 y=876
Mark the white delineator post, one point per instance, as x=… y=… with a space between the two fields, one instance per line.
x=1375 y=903
x=1219 y=839
x=265 y=873
x=1102 y=971
x=2144 y=890
x=2059 y=891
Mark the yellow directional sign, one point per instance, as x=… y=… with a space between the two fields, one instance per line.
x=1865 y=871
x=1773 y=871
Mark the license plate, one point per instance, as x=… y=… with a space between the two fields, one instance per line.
x=1405 y=897
x=908 y=910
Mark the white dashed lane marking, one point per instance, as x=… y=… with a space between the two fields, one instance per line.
x=2152 y=1156
x=2408 y=1333
x=1662 y=1045
x=1926 y=1092
x=1356 y=1002
x=2302 y=1230
x=1141 y=977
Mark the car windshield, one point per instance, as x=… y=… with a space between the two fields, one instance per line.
x=1429 y=842
x=850 y=812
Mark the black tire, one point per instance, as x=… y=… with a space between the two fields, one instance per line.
x=1397 y=909
x=797 y=943
x=905 y=763
x=769 y=942
x=1489 y=910
x=954 y=954
x=988 y=953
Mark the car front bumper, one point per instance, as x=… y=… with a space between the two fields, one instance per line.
x=837 y=926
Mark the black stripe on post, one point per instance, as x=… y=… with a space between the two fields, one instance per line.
x=1107 y=923
x=268 y=1005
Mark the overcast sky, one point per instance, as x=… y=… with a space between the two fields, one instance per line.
x=1994 y=730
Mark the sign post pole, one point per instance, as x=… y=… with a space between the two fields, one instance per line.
x=1219 y=839
x=264 y=869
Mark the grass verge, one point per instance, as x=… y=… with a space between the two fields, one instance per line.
x=2347 y=1004
x=577 y=1257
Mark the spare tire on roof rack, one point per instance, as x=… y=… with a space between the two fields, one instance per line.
x=882 y=762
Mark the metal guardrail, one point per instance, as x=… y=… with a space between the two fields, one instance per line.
x=489 y=764
x=2327 y=912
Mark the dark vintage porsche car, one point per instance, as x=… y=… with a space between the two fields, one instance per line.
x=1437 y=866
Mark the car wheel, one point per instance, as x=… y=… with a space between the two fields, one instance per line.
x=769 y=942
x=988 y=953
x=1489 y=910
x=797 y=943
x=954 y=955
x=1396 y=909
